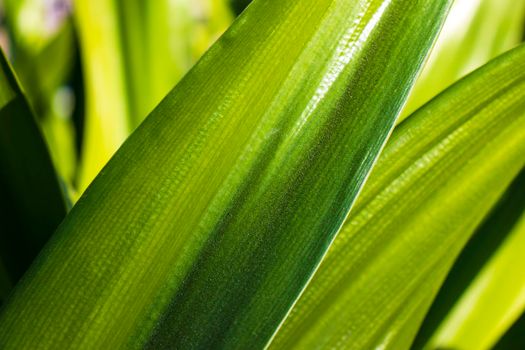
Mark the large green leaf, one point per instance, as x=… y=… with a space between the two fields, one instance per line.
x=31 y=201
x=205 y=226
x=441 y=172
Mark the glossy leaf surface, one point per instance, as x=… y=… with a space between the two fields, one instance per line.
x=440 y=174
x=222 y=203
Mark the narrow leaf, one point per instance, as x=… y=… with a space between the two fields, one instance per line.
x=31 y=200
x=107 y=110
x=441 y=172
x=496 y=297
x=479 y=251
x=222 y=203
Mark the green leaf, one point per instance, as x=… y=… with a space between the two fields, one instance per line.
x=134 y=52
x=41 y=51
x=31 y=200
x=107 y=105
x=475 y=32
x=162 y=40
x=441 y=172
x=475 y=320
x=488 y=238
x=205 y=226
x=514 y=338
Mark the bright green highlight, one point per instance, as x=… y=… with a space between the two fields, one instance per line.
x=440 y=174
x=107 y=113
x=222 y=203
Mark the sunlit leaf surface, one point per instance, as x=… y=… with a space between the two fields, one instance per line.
x=441 y=172
x=495 y=297
x=205 y=226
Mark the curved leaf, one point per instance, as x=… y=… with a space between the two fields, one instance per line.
x=436 y=180
x=483 y=247
x=495 y=299
x=222 y=203
x=514 y=338
x=32 y=203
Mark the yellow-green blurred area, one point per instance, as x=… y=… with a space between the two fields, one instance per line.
x=94 y=69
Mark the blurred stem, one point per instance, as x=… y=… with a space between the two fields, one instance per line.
x=107 y=110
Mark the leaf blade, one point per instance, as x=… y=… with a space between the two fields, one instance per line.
x=32 y=201
x=232 y=168
x=497 y=277
x=424 y=198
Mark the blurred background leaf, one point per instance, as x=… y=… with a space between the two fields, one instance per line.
x=32 y=202
x=475 y=31
x=107 y=109
x=39 y=40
